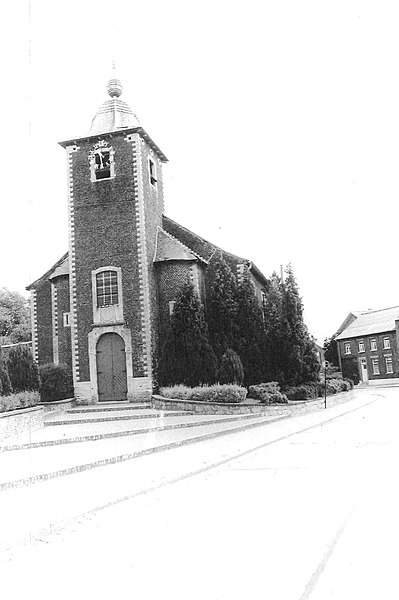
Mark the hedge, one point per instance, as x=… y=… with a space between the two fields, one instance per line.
x=267 y=393
x=212 y=393
x=20 y=400
x=55 y=382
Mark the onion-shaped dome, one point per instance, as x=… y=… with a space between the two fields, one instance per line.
x=114 y=114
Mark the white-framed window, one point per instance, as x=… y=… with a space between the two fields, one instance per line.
x=107 y=295
x=387 y=343
x=388 y=364
x=66 y=319
x=101 y=159
x=152 y=170
x=171 y=307
x=106 y=288
x=348 y=348
x=373 y=344
x=376 y=366
x=361 y=346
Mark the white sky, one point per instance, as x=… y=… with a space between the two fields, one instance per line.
x=280 y=120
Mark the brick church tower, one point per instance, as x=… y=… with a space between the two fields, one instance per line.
x=115 y=198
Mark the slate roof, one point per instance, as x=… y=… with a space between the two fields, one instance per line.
x=371 y=322
x=170 y=248
x=61 y=267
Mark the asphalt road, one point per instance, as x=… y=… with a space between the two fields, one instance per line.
x=314 y=515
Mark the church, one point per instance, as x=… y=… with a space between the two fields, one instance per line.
x=104 y=308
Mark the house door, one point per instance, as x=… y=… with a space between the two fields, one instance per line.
x=111 y=368
x=363 y=370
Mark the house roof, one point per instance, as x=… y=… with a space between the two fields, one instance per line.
x=371 y=322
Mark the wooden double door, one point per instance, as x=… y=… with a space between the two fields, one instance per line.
x=111 y=368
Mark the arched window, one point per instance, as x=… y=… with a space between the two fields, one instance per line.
x=107 y=288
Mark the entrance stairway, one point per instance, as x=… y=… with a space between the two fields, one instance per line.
x=61 y=470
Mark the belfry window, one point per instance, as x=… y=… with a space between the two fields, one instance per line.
x=106 y=288
x=101 y=160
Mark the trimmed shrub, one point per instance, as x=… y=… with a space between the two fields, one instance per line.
x=230 y=370
x=55 y=382
x=267 y=393
x=22 y=369
x=306 y=391
x=213 y=393
x=20 y=400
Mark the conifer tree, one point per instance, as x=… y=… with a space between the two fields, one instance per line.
x=251 y=333
x=222 y=309
x=297 y=345
x=22 y=369
x=273 y=315
x=187 y=356
x=231 y=369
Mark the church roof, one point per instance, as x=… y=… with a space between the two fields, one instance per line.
x=114 y=114
x=371 y=322
x=170 y=248
x=204 y=249
x=61 y=267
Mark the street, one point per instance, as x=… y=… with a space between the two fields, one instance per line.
x=311 y=515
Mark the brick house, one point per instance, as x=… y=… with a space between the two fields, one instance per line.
x=368 y=345
x=104 y=308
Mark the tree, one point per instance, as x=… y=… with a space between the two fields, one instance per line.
x=14 y=317
x=331 y=351
x=251 y=332
x=273 y=316
x=300 y=363
x=231 y=370
x=5 y=383
x=22 y=369
x=222 y=309
x=187 y=356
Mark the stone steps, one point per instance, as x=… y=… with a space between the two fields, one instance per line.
x=32 y=465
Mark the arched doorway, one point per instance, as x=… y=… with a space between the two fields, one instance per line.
x=111 y=368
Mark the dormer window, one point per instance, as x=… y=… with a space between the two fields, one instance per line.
x=153 y=172
x=102 y=161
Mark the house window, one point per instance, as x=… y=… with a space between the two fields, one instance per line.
x=66 y=318
x=107 y=288
x=387 y=343
x=388 y=364
x=373 y=344
x=361 y=347
x=171 y=307
x=376 y=366
x=101 y=160
x=348 y=348
x=153 y=172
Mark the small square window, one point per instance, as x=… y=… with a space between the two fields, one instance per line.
x=389 y=364
x=376 y=366
x=373 y=344
x=153 y=172
x=361 y=347
x=387 y=343
x=348 y=348
x=66 y=318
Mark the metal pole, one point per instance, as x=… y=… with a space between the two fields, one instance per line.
x=325 y=383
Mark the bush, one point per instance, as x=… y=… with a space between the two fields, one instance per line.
x=22 y=369
x=335 y=386
x=230 y=370
x=306 y=391
x=20 y=400
x=267 y=393
x=56 y=382
x=212 y=393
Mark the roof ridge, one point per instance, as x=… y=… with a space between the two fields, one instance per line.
x=369 y=312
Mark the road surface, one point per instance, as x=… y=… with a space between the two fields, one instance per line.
x=313 y=515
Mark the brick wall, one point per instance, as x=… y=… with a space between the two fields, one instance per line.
x=44 y=324
x=350 y=361
x=64 y=333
